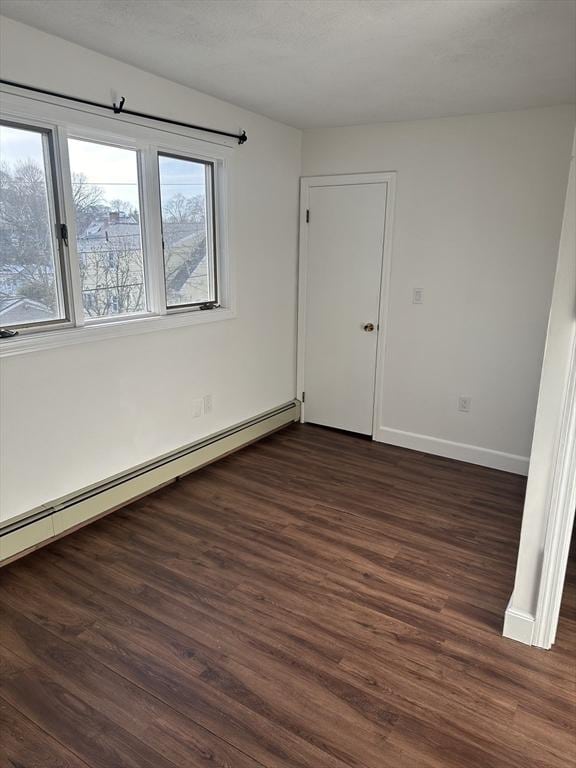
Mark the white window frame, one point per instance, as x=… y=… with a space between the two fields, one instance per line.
x=93 y=124
x=57 y=216
x=212 y=219
x=153 y=308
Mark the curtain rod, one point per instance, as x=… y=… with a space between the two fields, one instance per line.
x=119 y=109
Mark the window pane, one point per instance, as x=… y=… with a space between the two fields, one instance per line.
x=186 y=196
x=29 y=261
x=109 y=242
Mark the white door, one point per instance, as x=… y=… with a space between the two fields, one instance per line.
x=341 y=268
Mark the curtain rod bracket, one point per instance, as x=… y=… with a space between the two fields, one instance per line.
x=118 y=107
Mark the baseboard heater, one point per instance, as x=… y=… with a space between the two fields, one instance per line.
x=50 y=521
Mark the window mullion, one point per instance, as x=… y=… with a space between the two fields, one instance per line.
x=153 y=250
x=70 y=221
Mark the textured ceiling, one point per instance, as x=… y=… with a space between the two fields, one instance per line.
x=336 y=62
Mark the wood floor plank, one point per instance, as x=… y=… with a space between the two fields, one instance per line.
x=24 y=745
x=45 y=700
x=161 y=728
x=313 y=601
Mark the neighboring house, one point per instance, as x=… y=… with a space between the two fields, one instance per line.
x=16 y=309
x=10 y=279
x=21 y=310
x=109 y=229
x=111 y=266
x=110 y=255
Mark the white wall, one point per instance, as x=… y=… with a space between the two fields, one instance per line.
x=478 y=217
x=75 y=415
x=560 y=341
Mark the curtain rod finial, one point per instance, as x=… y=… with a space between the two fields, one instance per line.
x=242 y=139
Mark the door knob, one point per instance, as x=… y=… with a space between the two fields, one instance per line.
x=368 y=327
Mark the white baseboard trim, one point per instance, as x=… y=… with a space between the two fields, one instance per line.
x=518 y=625
x=473 y=454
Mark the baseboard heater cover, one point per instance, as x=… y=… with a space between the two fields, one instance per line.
x=50 y=521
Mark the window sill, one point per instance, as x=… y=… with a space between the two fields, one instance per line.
x=38 y=342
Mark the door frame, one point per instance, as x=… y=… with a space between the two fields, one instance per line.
x=561 y=504
x=306 y=184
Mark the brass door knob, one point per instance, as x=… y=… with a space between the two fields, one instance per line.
x=368 y=327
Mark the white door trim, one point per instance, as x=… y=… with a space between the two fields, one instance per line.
x=561 y=505
x=306 y=184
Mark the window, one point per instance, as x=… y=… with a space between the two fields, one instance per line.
x=31 y=277
x=100 y=228
x=187 y=230
x=106 y=195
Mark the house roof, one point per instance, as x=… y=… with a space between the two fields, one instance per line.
x=17 y=308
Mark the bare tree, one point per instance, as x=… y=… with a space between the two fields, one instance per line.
x=184 y=230
x=25 y=231
x=112 y=277
x=88 y=201
x=179 y=209
x=124 y=207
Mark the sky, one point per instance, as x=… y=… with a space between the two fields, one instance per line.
x=113 y=169
x=19 y=145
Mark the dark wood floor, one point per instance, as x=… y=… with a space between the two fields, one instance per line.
x=315 y=600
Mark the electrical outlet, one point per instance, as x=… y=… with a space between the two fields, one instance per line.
x=417 y=296
x=465 y=404
x=207 y=403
